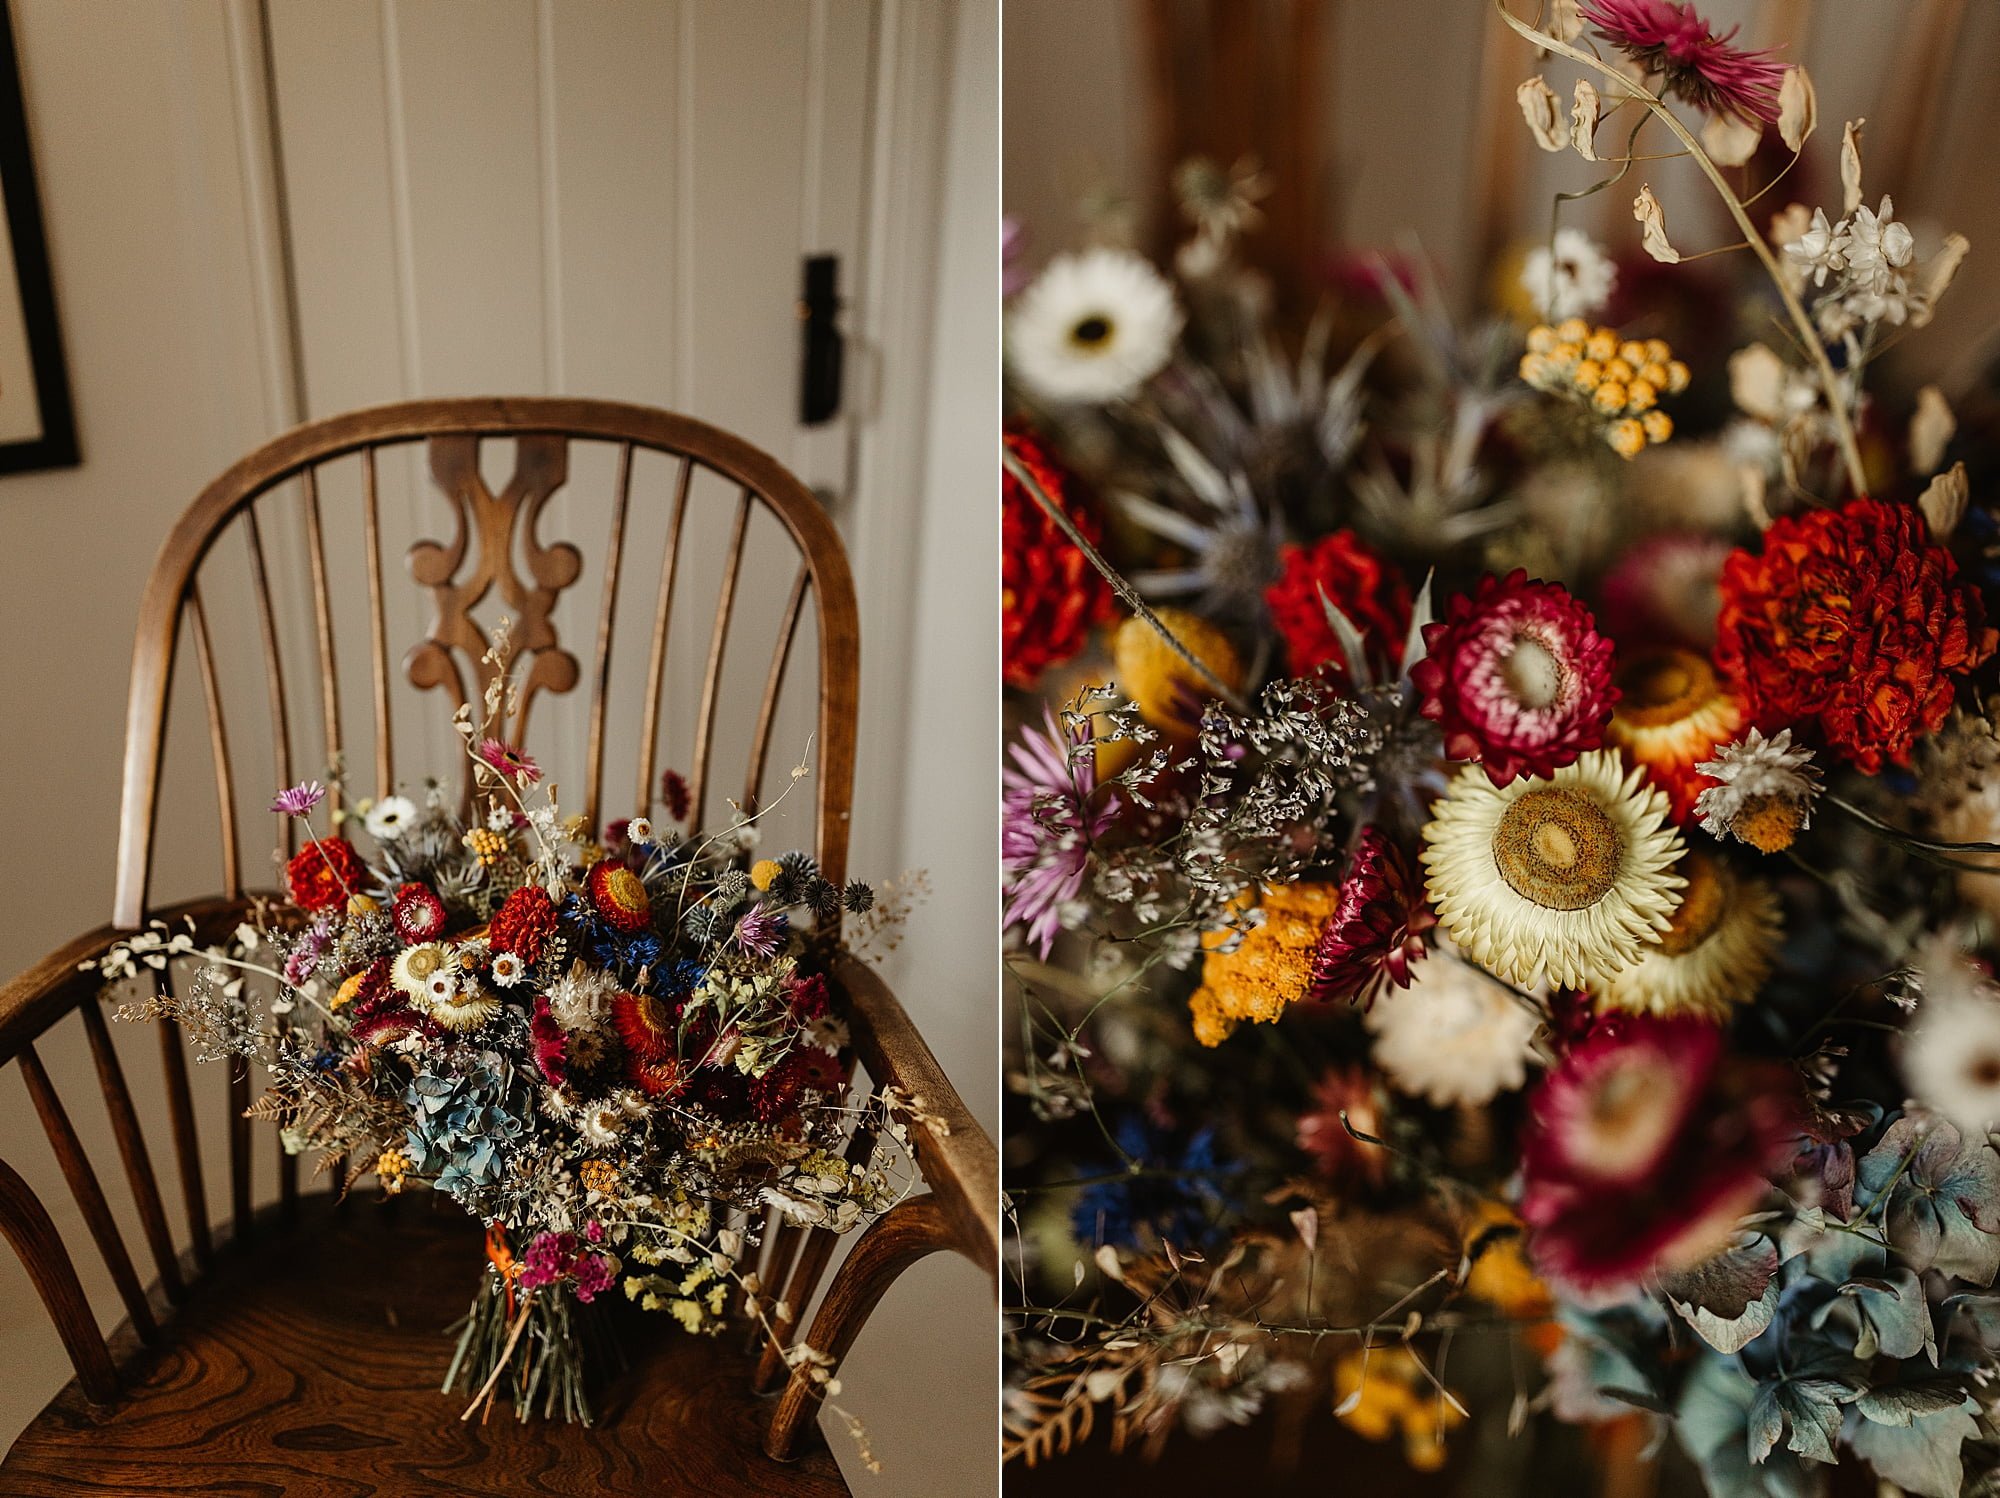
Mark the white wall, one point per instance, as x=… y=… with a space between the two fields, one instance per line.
x=522 y=196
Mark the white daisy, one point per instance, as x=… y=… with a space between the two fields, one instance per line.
x=1765 y=792
x=1568 y=878
x=1951 y=1052
x=508 y=969
x=1092 y=328
x=1453 y=1036
x=1715 y=955
x=1568 y=277
x=387 y=819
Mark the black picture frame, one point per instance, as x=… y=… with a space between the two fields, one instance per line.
x=56 y=447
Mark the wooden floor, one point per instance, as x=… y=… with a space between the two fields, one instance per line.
x=308 y=1366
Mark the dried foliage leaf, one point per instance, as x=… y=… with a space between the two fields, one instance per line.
x=1565 y=25
x=1931 y=430
x=1543 y=112
x=1850 y=167
x=1653 y=227
x=1938 y=276
x=1729 y=140
x=1583 y=113
x=1798 y=108
x=1943 y=503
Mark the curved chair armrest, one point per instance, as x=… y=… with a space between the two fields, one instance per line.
x=958 y=1160
x=44 y=992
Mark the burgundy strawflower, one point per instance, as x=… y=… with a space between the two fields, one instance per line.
x=551 y=1044
x=1517 y=676
x=1645 y=1145
x=1668 y=38
x=1343 y=1159
x=808 y=997
x=419 y=913
x=1376 y=932
x=674 y=793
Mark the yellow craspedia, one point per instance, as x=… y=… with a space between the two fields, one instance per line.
x=1270 y=967
x=1169 y=693
x=762 y=872
x=361 y=905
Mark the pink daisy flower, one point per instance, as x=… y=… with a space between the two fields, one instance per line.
x=1376 y=933
x=512 y=763
x=1670 y=39
x=297 y=800
x=1517 y=676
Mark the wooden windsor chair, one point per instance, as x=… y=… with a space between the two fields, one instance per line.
x=296 y=1348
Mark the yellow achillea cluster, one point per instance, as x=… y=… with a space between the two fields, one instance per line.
x=488 y=846
x=600 y=1176
x=1383 y=1391
x=1270 y=967
x=1619 y=381
x=390 y=1168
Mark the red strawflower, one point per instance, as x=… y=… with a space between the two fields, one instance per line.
x=1376 y=931
x=524 y=923
x=1850 y=620
x=776 y=1095
x=1050 y=595
x=674 y=792
x=808 y=997
x=324 y=873
x=1644 y=1146
x=419 y=914
x=618 y=896
x=1360 y=584
x=1667 y=37
x=1517 y=676
x=1343 y=1159
x=644 y=1024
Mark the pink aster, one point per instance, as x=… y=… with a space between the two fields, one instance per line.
x=297 y=800
x=1645 y=1146
x=1048 y=824
x=1517 y=676
x=512 y=763
x=1670 y=39
x=1376 y=932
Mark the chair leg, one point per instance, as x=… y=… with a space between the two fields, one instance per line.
x=25 y=1224
x=907 y=1232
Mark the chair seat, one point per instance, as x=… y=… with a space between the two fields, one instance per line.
x=307 y=1363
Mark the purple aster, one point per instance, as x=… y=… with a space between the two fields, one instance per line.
x=762 y=931
x=1048 y=825
x=299 y=799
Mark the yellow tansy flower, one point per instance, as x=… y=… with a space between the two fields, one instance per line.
x=1269 y=968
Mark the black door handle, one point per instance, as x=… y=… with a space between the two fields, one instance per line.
x=819 y=315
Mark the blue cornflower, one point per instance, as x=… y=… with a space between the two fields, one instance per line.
x=1178 y=1197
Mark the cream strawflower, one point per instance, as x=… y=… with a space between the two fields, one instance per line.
x=1566 y=878
x=1093 y=327
x=414 y=967
x=1454 y=1035
x=1951 y=1051
x=1568 y=277
x=1716 y=953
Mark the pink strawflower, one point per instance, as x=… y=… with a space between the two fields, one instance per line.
x=1377 y=930
x=512 y=763
x=296 y=801
x=1517 y=676
x=1670 y=39
x=1645 y=1145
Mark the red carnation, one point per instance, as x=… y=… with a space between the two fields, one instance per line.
x=1517 y=676
x=524 y=923
x=324 y=873
x=1849 y=619
x=1375 y=932
x=1050 y=595
x=419 y=913
x=1357 y=582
